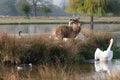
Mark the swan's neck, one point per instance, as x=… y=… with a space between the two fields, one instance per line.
x=109 y=47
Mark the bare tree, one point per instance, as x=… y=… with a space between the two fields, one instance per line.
x=37 y=3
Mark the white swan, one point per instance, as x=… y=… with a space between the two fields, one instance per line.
x=25 y=67
x=104 y=55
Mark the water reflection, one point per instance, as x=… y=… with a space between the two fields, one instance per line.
x=101 y=66
x=89 y=71
x=107 y=69
x=28 y=28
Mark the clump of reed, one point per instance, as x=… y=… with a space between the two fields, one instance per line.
x=95 y=39
x=40 y=49
x=44 y=72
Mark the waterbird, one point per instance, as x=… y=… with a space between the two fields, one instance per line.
x=25 y=67
x=106 y=55
x=19 y=34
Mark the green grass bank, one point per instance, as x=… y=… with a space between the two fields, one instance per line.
x=50 y=19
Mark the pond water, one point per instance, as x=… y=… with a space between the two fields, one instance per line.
x=107 y=69
x=39 y=28
x=93 y=70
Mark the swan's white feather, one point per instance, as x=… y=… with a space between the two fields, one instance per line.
x=106 y=55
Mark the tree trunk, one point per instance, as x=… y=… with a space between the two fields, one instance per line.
x=35 y=6
x=91 y=18
x=35 y=10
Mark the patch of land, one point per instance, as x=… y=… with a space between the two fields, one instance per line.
x=50 y=20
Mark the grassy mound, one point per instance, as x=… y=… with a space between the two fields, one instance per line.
x=40 y=49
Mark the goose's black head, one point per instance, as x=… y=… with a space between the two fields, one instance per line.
x=20 y=33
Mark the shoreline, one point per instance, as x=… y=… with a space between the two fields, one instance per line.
x=15 y=20
x=22 y=23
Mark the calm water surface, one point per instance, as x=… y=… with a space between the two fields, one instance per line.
x=90 y=71
x=39 y=28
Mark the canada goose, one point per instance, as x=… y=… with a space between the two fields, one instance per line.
x=25 y=67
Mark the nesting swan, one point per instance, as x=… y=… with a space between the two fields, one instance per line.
x=106 y=55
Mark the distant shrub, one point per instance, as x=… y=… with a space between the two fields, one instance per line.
x=116 y=51
x=25 y=8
